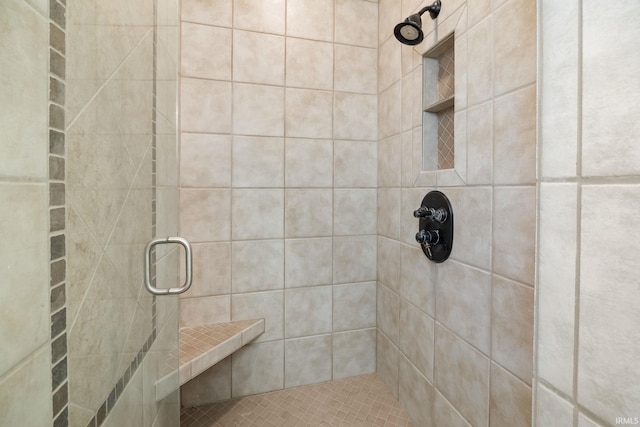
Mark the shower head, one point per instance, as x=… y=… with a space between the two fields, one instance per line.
x=410 y=30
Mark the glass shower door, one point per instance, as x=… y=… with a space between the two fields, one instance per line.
x=121 y=192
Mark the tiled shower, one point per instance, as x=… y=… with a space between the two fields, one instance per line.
x=298 y=168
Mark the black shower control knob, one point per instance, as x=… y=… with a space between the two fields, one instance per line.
x=439 y=215
x=428 y=237
x=422 y=212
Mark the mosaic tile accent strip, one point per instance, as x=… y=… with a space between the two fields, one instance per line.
x=358 y=401
x=57 y=215
x=446 y=141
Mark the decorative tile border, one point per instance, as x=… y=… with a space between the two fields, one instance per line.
x=57 y=225
x=57 y=213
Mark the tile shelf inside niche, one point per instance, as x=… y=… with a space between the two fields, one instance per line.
x=201 y=347
x=441 y=105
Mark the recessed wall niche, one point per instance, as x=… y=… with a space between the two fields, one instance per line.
x=437 y=106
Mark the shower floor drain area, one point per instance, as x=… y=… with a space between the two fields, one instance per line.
x=359 y=401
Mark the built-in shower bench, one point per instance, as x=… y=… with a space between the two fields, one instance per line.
x=201 y=347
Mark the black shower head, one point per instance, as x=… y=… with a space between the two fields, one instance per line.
x=410 y=30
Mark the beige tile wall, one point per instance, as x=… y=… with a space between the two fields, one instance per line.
x=455 y=339
x=278 y=186
x=25 y=328
x=587 y=318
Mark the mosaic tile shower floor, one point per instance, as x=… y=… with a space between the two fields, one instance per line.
x=358 y=401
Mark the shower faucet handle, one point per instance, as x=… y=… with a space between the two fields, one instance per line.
x=425 y=212
x=428 y=237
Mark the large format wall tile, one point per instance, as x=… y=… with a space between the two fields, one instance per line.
x=25 y=393
x=608 y=302
x=609 y=132
x=258 y=368
x=512 y=327
x=551 y=409
x=24 y=92
x=461 y=373
x=354 y=353
x=23 y=209
x=556 y=284
x=307 y=360
x=510 y=400
x=514 y=233
x=464 y=303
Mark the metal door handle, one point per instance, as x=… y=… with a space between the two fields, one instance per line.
x=147 y=265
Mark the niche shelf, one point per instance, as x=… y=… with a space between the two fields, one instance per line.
x=438 y=106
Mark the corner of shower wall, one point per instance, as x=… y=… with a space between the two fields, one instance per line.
x=435 y=323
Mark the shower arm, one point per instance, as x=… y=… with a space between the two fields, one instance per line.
x=433 y=9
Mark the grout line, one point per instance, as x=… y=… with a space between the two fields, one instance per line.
x=576 y=326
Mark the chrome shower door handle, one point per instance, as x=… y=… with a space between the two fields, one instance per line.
x=188 y=263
